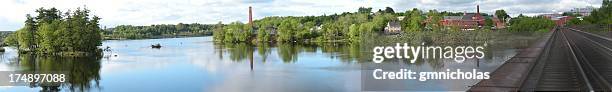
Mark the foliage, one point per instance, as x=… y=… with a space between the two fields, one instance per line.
x=488 y=23
x=531 y=24
x=218 y=32
x=603 y=15
x=343 y=27
x=10 y=40
x=389 y=10
x=52 y=32
x=286 y=30
x=502 y=15
x=236 y=32
x=364 y=10
x=433 y=18
x=158 y=31
x=413 y=22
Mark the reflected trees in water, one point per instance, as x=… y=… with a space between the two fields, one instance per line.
x=287 y=52
x=83 y=73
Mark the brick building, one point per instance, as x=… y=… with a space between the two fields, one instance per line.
x=468 y=21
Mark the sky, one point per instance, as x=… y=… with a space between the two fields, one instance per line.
x=147 y=12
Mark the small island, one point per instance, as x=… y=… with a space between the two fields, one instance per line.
x=52 y=32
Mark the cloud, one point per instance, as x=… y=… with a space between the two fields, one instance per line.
x=147 y=12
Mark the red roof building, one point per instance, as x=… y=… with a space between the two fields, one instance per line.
x=559 y=19
x=469 y=21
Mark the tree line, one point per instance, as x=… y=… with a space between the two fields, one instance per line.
x=58 y=33
x=344 y=27
x=535 y=23
x=158 y=31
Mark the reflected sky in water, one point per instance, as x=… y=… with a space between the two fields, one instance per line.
x=198 y=64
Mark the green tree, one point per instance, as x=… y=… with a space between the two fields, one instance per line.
x=354 y=33
x=235 y=32
x=50 y=33
x=245 y=33
x=414 y=21
x=502 y=15
x=181 y=27
x=286 y=30
x=531 y=24
x=365 y=10
x=11 y=40
x=263 y=35
x=94 y=34
x=603 y=15
x=218 y=32
x=434 y=18
x=389 y=10
x=25 y=35
x=306 y=31
x=488 y=23
x=577 y=21
x=380 y=21
x=47 y=33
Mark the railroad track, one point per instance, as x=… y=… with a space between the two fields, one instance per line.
x=596 y=54
x=572 y=61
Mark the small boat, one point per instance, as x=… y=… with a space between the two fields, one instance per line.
x=156 y=46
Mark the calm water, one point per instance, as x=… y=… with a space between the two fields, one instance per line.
x=197 y=64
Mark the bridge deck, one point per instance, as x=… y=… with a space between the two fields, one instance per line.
x=565 y=60
x=509 y=76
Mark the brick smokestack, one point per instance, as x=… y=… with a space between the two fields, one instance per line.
x=479 y=17
x=478 y=9
x=250 y=16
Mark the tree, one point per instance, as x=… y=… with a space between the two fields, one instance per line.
x=286 y=30
x=414 y=21
x=577 y=21
x=245 y=33
x=365 y=10
x=434 y=19
x=306 y=31
x=354 y=33
x=263 y=35
x=47 y=33
x=52 y=33
x=531 y=24
x=598 y=16
x=180 y=27
x=488 y=23
x=235 y=32
x=95 y=33
x=380 y=21
x=389 y=10
x=26 y=35
x=160 y=30
x=11 y=40
x=47 y=15
x=502 y=15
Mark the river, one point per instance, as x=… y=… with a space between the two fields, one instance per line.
x=198 y=64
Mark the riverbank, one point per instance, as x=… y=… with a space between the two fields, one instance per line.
x=155 y=37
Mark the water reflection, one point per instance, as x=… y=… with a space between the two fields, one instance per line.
x=287 y=52
x=198 y=64
x=82 y=72
x=496 y=44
